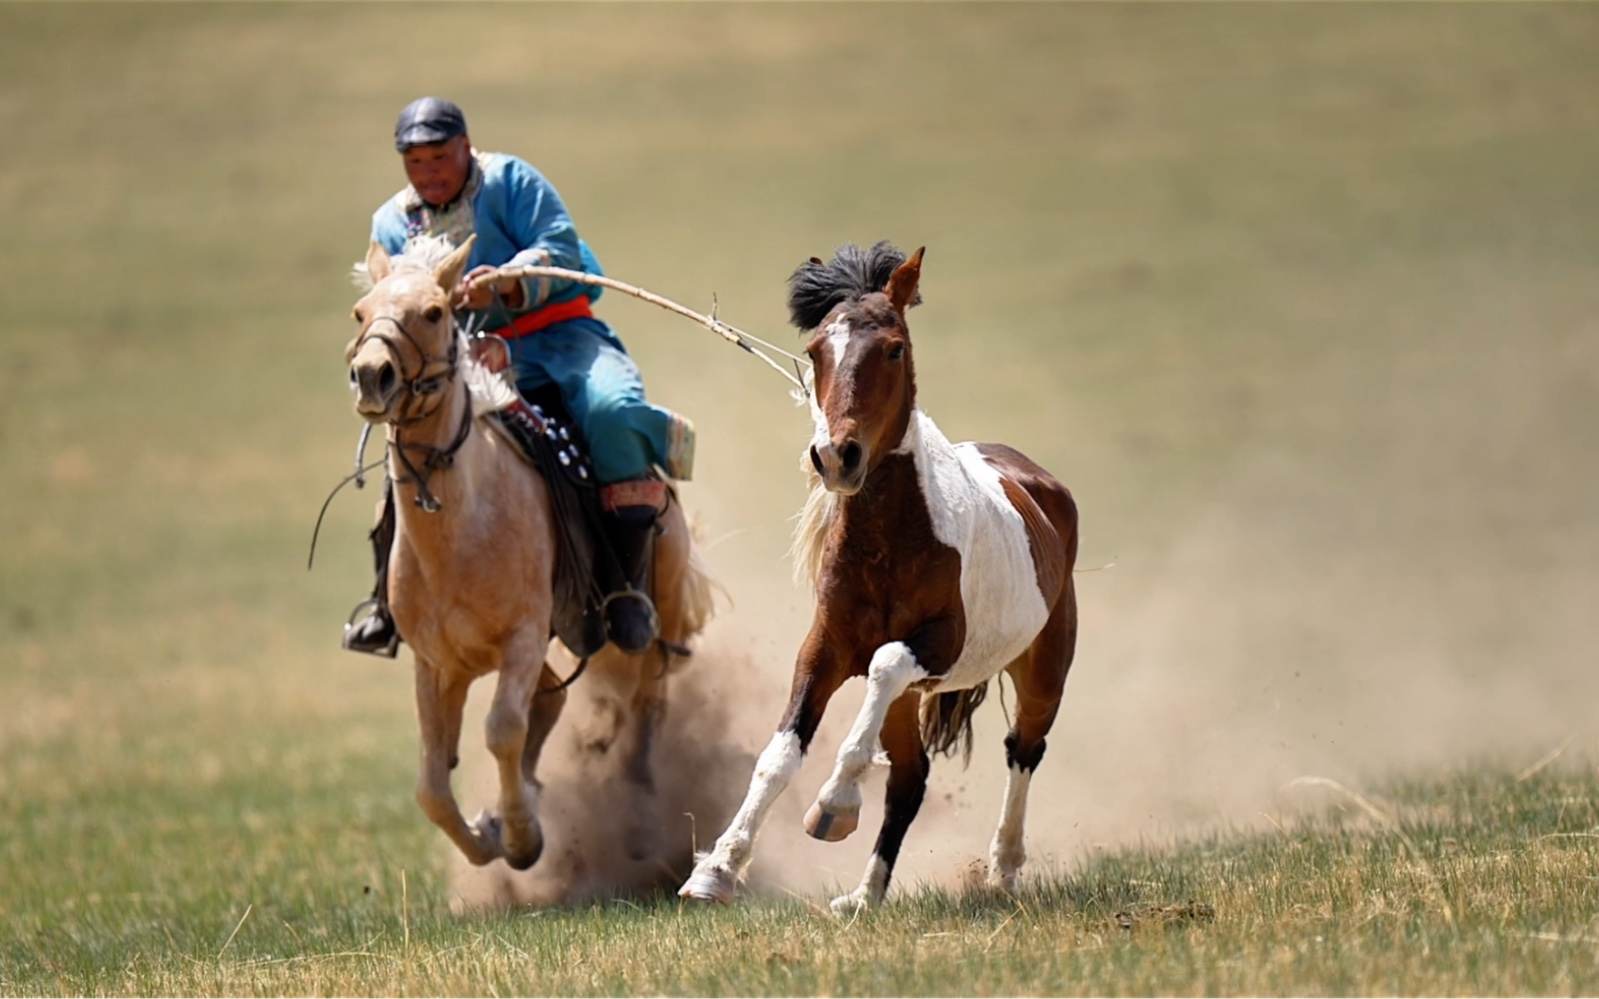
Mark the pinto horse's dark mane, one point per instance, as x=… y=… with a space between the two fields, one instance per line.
x=815 y=288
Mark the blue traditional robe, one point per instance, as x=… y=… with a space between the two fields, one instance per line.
x=520 y=220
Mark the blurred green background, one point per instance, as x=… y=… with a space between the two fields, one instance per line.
x=1300 y=300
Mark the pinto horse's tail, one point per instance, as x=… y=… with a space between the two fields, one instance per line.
x=947 y=720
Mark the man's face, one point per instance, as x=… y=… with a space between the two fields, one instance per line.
x=439 y=172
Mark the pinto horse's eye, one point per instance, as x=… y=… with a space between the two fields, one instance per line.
x=359 y=316
x=896 y=352
x=433 y=314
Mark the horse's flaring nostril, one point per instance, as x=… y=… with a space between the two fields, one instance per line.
x=816 y=460
x=386 y=379
x=850 y=456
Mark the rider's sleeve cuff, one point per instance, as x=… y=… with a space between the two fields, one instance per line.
x=535 y=290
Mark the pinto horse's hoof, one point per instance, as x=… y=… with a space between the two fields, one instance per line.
x=708 y=886
x=830 y=826
x=850 y=906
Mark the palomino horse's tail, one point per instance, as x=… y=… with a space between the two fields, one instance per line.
x=699 y=587
x=947 y=720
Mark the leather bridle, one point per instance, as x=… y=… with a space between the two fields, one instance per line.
x=418 y=388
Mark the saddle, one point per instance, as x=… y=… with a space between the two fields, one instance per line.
x=546 y=436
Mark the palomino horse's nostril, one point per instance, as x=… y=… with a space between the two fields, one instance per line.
x=386 y=379
x=850 y=457
x=816 y=460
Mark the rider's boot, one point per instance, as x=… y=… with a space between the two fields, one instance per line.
x=376 y=633
x=631 y=510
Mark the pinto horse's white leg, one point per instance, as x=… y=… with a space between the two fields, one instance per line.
x=907 y=784
x=837 y=810
x=1039 y=676
x=1007 y=854
x=818 y=673
x=717 y=873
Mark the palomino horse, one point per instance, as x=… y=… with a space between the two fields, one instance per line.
x=471 y=581
x=935 y=566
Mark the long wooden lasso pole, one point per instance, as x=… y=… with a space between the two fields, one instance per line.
x=732 y=334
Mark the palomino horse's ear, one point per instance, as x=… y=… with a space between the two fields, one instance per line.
x=377 y=262
x=902 y=283
x=448 y=273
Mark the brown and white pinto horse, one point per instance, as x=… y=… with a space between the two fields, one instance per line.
x=935 y=567
x=473 y=561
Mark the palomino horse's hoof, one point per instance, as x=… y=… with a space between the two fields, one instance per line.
x=708 y=886
x=524 y=861
x=487 y=828
x=830 y=826
x=490 y=828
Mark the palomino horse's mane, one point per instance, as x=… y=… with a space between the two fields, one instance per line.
x=815 y=289
x=490 y=392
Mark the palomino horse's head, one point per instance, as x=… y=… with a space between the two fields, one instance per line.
x=864 y=381
x=405 y=355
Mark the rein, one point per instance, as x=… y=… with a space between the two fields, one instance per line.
x=434 y=459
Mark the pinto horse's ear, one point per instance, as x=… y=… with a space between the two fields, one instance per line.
x=902 y=283
x=448 y=274
x=377 y=262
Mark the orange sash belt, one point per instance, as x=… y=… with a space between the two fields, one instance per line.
x=538 y=319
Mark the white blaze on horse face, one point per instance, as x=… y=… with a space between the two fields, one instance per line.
x=838 y=334
x=838 y=337
x=970 y=512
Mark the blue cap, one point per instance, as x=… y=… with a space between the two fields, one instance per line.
x=426 y=121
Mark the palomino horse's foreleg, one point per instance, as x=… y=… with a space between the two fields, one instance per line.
x=837 y=810
x=506 y=734
x=907 y=783
x=440 y=700
x=817 y=676
x=1040 y=678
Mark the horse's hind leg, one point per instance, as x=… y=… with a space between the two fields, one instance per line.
x=907 y=783
x=645 y=716
x=541 y=717
x=679 y=601
x=440 y=700
x=1040 y=678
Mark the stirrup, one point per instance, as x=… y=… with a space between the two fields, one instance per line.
x=652 y=619
x=391 y=650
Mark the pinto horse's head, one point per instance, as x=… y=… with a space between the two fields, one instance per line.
x=406 y=351
x=864 y=380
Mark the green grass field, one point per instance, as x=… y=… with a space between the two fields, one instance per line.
x=1300 y=300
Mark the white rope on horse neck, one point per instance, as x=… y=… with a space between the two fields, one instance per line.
x=731 y=334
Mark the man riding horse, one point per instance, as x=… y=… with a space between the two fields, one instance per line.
x=555 y=341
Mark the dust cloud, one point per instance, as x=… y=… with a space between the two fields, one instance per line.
x=1374 y=583
x=603 y=837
